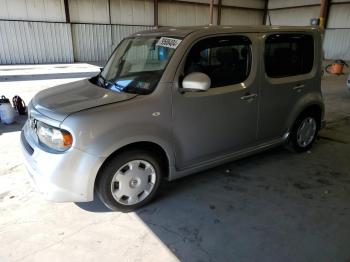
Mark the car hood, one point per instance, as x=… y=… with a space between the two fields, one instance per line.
x=61 y=101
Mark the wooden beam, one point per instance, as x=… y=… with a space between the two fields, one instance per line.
x=66 y=10
x=324 y=11
x=218 y=21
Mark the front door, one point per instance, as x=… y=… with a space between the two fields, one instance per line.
x=214 y=123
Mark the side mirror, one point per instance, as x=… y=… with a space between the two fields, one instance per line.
x=196 y=82
x=101 y=68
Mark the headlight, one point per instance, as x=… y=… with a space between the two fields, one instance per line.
x=54 y=138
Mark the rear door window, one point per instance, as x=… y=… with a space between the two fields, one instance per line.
x=288 y=55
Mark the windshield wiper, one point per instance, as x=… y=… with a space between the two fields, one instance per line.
x=99 y=82
x=104 y=82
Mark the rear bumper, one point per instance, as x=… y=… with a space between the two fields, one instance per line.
x=66 y=177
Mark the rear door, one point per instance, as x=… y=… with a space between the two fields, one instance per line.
x=287 y=74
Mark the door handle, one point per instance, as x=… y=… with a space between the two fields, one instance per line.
x=249 y=97
x=298 y=88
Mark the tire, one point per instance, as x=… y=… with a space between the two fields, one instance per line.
x=135 y=178
x=300 y=141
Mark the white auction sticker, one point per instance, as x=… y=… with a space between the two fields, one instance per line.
x=169 y=42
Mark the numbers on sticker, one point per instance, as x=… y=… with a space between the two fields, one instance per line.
x=168 y=42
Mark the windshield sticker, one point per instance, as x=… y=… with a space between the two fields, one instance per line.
x=169 y=42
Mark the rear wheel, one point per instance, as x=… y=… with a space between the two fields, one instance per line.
x=304 y=132
x=129 y=180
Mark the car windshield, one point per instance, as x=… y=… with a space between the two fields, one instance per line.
x=137 y=65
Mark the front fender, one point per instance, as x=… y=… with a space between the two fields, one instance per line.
x=101 y=131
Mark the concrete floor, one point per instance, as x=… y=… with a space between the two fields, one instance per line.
x=275 y=206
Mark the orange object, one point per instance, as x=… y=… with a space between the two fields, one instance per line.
x=337 y=68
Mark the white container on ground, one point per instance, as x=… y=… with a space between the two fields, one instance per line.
x=7 y=113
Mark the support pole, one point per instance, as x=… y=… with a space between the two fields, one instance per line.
x=155 y=4
x=66 y=10
x=266 y=6
x=324 y=14
x=211 y=12
x=109 y=12
x=110 y=24
x=218 y=22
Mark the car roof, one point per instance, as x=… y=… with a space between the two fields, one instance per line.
x=183 y=31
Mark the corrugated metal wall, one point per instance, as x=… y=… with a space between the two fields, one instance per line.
x=95 y=30
x=121 y=31
x=252 y=14
x=89 y=37
x=339 y=16
x=33 y=42
x=294 y=16
x=182 y=14
x=126 y=12
x=244 y=3
x=96 y=42
x=91 y=42
x=89 y=11
x=132 y=12
x=97 y=26
x=32 y=10
x=291 y=3
x=337 y=36
x=232 y=16
x=36 y=42
x=337 y=44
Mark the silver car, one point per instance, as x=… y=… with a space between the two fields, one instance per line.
x=171 y=102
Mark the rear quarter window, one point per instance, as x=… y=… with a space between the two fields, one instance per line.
x=288 y=55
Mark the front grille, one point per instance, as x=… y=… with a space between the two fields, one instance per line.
x=26 y=145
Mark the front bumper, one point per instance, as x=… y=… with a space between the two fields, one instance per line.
x=64 y=177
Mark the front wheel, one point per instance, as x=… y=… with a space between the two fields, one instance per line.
x=304 y=132
x=129 y=180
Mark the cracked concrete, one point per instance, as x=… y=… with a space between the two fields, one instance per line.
x=274 y=206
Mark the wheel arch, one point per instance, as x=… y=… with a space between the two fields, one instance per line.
x=313 y=107
x=153 y=147
x=310 y=102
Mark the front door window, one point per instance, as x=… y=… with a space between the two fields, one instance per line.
x=226 y=60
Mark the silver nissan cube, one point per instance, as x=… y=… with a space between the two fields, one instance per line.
x=171 y=102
